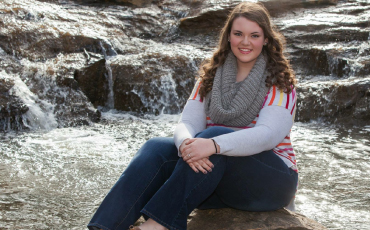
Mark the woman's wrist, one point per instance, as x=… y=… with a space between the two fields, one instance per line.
x=217 y=147
x=214 y=143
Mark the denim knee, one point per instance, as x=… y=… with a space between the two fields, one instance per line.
x=158 y=146
x=214 y=132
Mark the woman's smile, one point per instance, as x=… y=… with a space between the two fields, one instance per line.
x=245 y=51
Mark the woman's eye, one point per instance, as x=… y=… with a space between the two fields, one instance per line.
x=255 y=36
x=238 y=34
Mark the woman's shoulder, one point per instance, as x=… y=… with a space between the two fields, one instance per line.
x=277 y=97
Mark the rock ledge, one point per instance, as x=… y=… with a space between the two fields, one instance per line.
x=232 y=219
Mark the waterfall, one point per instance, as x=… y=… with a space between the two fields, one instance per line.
x=110 y=100
x=108 y=55
x=40 y=114
x=167 y=89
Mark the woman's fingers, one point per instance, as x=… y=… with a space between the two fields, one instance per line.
x=193 y=167
x=203 y=165
x=200 y=167
x=208 y=163
x=193 y=157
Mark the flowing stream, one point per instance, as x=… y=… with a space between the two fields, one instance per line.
x=56 y=179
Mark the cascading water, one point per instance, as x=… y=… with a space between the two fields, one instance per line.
x=110 y=101
x=169 y=95
x=166 y=99
x=40 y=114
x=108 y=75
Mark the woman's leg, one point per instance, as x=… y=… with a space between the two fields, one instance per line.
x=261 y=182
x=146 y=173
x=186 y=189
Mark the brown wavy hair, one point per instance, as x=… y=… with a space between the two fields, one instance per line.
x=280 y=72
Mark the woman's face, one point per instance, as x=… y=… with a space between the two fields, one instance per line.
x=246 y=41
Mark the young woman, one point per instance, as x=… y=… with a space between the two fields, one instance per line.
x=231 y=147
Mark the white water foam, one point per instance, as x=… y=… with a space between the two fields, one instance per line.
x=40 y=114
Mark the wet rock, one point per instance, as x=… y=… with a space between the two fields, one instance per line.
x=364 y=69
x=52 y=95
x=153 y=82
x=93 y=82
x=330 y=35
x=225 y=219
x=148 y=23
x=11 y=107
x=312 y=62
x=139 y=3
x=9 y=63
x=70 y=29
x=136 y=2
x=208 y=21
x=210 y=17
x=76 y=114
x=316 y=61
x=342 y=102
x=44 y=38
x=153 y=49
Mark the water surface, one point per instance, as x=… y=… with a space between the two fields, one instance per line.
x=56 y=179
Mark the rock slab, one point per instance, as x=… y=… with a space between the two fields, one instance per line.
x=232 y=219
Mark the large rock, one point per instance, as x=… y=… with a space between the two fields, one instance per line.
x=94 y=83
x=210 y=16
x=320 y=62
x=157 y=80
x=232 y=219
x=342 y=102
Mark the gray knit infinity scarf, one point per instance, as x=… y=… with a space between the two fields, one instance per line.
x=234 y=103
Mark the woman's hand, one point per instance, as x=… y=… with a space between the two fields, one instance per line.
x=204 y=165
x=195 y=149
x=183 y=144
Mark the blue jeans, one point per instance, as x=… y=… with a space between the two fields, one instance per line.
x=160 y=185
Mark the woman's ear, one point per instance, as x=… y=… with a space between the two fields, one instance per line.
x=266 y=41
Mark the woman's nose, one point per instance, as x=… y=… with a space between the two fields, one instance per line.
x=245 y=41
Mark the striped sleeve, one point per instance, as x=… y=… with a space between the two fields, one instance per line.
x=276 y=97
x=195 y=93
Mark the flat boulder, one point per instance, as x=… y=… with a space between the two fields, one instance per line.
x=232 y=219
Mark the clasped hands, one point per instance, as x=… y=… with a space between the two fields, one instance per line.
x=196 y=151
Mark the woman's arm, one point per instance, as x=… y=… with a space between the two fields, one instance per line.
x=273 y=125
x=192 y=121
